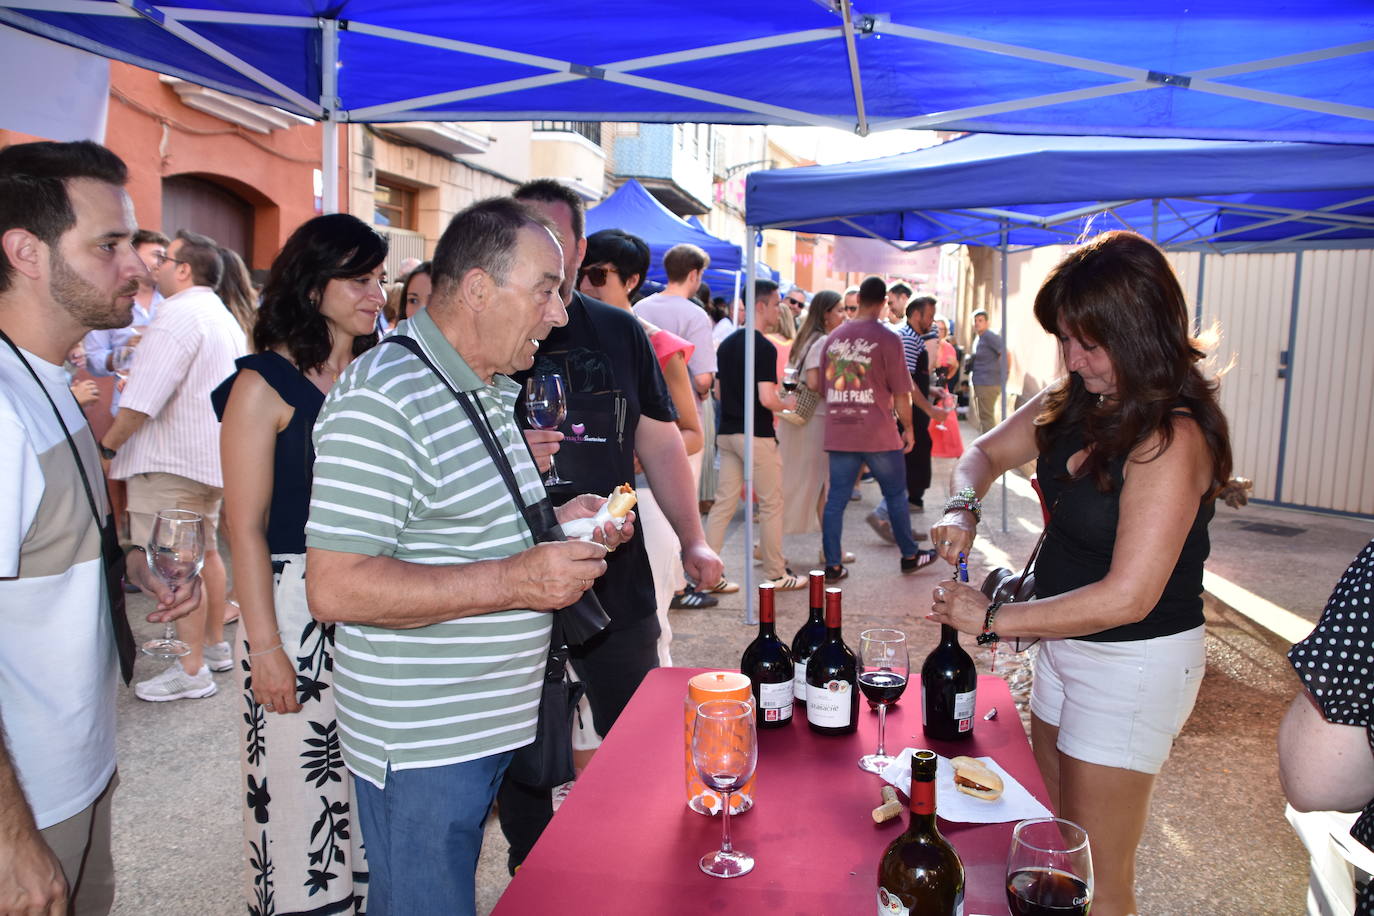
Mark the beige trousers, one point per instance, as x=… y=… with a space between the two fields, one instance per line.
x=985 y=398
x=82 y=844
x=768 y=489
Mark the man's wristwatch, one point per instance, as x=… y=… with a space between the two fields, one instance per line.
x=106 y=452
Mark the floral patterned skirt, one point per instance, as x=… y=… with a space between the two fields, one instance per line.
x=301 y=837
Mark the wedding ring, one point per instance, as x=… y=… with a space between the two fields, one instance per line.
x=946 y=543
x=267 y=706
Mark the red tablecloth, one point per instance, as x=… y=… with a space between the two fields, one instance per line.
x=624 y=841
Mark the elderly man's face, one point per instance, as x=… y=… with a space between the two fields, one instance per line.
x=527 y=306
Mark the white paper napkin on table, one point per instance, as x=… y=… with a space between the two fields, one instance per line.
x=1015 y=803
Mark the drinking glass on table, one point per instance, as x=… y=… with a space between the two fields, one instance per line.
x=883 y=670
x=1049 y=869
x=725 y=752
x=176 y=552
x=546 y=405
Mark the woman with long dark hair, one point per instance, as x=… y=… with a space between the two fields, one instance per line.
x=319 y=310
x=1131 y=448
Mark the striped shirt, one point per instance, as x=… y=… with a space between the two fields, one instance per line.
x=913 y=345
x=400 y=472
x=187 y=350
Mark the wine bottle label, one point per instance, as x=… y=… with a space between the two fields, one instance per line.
x=963 y=709
x=829 y=707
x=775 y=702
x=799 y=681
x=889 y=904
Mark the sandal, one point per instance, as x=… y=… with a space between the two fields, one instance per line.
x=922 y=559
x=689 y=599
x=724 y=587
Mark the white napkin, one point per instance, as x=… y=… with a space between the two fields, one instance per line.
x=582 y=529
x=1015 y=803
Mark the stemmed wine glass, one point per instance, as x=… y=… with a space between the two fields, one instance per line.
x=176 y=552
x=546 y=405
x=121 y=358
x=725 y=751
x=883 y=670
x=790 y=379
x=1049 y=868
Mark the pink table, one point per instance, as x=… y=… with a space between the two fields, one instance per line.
x=625 y=842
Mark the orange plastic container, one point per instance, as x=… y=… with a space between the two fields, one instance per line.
x=713 y=685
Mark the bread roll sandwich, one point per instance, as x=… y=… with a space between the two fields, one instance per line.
x=973 y=777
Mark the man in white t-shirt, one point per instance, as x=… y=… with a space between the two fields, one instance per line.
x=673 y=310
x=67 y=267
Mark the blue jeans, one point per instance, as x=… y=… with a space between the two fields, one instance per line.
x=423 y=833
x=889 y=469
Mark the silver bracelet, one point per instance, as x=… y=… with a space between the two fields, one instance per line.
x=264 y=651
x=967 y=500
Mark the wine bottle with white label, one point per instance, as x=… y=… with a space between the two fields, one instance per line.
x=768 y=665
x=949 y=687
x=810 y=635
x=832 y=678
x=920 y=873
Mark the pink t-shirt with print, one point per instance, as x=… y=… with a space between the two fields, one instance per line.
x=864 y=367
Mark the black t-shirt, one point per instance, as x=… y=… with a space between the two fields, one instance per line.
x=730 y=371
x=612 y=378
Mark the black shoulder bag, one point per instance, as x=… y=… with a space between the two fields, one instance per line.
x=548 y=761
x=113 y=559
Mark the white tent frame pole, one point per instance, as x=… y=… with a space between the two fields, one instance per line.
x=329 y=101
x=169 y=24
x=750 y=357
x=1004 y=371
x=852 y=52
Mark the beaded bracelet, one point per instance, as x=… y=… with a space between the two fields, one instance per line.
x=264 y=651
x=989 y=635
x=966 y=499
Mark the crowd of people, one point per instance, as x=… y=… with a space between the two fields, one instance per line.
x=375 y=436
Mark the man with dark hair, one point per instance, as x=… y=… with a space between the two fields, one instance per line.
x=988 y=364
x=420 y=556
x=866 y=380
x=67 y=267
x=620 y=404
x=898 y=295
x=164 y=442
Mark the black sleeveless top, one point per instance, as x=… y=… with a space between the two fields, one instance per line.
x=293 y=460
x=1082 y=536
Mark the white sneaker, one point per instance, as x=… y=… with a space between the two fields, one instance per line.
x=560 y=794
x=219 y=657
x=176 y=684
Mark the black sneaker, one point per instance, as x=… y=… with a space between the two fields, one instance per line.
x=689 y=599
x=836 y=573
x=922 y=559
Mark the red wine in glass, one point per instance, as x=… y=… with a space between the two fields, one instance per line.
x=546 y=406
x=1047 y=892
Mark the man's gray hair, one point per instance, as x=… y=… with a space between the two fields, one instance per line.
x=485 y=236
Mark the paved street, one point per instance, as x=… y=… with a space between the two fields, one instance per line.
x=1217 y=841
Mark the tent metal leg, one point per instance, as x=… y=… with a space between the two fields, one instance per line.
x=750 y=258
x=1006 y=355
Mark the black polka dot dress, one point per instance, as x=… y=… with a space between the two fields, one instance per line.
x=1336 y=662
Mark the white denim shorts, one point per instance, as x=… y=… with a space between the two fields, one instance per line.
x=1119 y=704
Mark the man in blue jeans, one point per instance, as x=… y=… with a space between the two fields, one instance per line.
x=866 y=380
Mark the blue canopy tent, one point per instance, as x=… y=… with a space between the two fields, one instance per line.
x=636 y=211
x=1017 y=192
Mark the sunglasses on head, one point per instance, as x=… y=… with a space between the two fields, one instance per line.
x=598 y=274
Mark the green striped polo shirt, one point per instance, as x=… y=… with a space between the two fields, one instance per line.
x=400 y=472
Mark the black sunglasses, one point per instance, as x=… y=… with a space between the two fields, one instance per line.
x=797 y=302
x=598 y=274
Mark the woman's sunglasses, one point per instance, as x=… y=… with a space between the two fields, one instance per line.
x=598 y=274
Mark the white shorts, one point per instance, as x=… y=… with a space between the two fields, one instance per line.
x=1119 y=704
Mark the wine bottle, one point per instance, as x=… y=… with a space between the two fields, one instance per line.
x=832 y=678
x=768 y=665
x=920 y=872
x=810 y=635
x=949 y=686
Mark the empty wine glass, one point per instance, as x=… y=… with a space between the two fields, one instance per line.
x=884 y=666
x=725 y=752
x=176 y=552
x=1049 y=868
x=546 y=405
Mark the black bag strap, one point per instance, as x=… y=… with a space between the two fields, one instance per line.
x=539 y=527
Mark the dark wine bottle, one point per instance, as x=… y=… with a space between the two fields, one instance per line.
x=949 y=686
x=768 y=665
x=832 y=678
x=810 y=635
x=920 y=872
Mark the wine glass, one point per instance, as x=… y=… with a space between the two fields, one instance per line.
x=789 y=379
x=883 y=670
x=121 y=358
x=546 y=405
x=1049 y=868
x=725 y=750
x=176 y=552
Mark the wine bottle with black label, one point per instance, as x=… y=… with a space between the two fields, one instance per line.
x=920 y=872
x=949 y=686
x=810 y=635
x=832 y=678
x=768 y=665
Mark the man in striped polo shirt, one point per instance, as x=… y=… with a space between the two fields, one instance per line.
x=418 y=551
